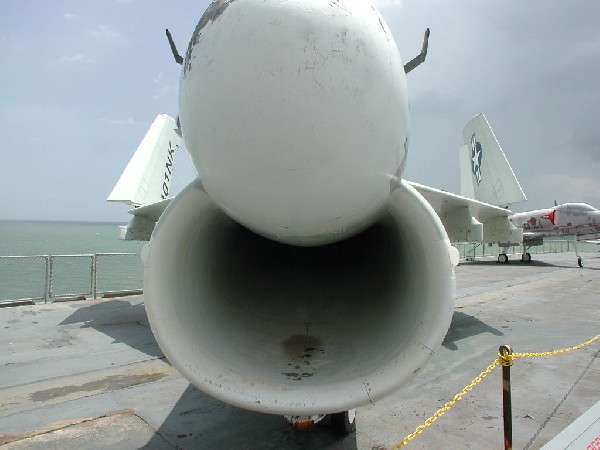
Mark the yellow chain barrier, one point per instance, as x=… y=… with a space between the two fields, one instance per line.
x=555 y=352
x=504 y=358
x=440 y=412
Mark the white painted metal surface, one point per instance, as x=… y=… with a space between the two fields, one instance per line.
x=295 y=330
x=295 y=114
x=147 y=177
x=485 y=173
x=575 y=219
x=582 y=434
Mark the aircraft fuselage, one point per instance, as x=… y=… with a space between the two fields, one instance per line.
x=577 y=219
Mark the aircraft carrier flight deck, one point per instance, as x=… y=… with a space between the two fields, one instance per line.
x=89 y=374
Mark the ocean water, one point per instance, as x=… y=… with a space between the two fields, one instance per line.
x=46 y=278
x=62 y=238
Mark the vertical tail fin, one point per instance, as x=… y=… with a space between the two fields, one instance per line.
x=485 y=173
x=147 y=177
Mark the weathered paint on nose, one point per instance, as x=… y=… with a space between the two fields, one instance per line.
x=295 y=115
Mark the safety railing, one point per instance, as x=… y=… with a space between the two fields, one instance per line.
x=44 y=278
x=474 y=250
x=53 y=277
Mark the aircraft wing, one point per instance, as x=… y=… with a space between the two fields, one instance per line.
x=153 y=210
x=445 y=202
x=468 y=220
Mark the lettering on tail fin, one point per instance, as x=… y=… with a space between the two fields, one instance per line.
x=476 y=157
x=168 y=172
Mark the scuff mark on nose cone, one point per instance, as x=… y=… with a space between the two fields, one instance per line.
x=212 y=13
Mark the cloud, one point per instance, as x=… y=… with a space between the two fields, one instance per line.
x=158 y=78
x=572 y=188
x=162 y=88
x=11 y=43
x=104 y=33
x=69 y=16
x=435 y=103
x=77 y=58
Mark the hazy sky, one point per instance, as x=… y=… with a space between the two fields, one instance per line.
x=82 y=81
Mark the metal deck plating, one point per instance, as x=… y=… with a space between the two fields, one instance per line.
x=89 y=373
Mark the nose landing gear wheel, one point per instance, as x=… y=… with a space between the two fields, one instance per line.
x=502 y=258
x=526 y=257
x=580 y=261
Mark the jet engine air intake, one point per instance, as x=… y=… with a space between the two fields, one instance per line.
x=295 y=330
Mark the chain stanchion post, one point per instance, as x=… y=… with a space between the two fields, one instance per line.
x=505 y=356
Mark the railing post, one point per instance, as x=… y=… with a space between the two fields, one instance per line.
x=94 y=275
x=47 y=282
x=50 y=268
x=505 y=353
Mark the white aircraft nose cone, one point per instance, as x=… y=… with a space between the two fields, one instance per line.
x=295 y=114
